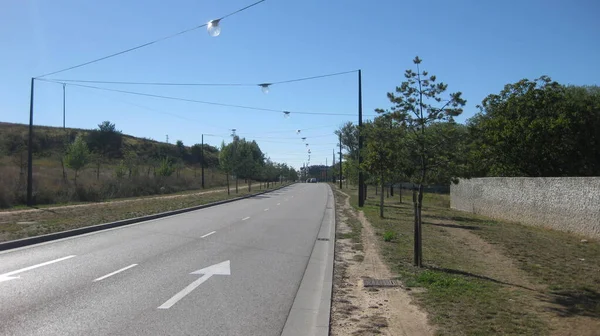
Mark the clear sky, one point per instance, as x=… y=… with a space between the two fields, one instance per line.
x=475 y=46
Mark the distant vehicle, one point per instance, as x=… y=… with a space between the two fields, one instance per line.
x=312 y=180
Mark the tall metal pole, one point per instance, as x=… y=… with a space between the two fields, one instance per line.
x=341 y=161
x=326 y=170
x=361 y=192
x=64 y=99
x=202 y=160
x=30 y=151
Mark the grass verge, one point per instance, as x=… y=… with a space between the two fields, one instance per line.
x=28 y=224
x=484 y=276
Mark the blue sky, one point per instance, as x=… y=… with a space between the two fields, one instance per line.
x=474 y=46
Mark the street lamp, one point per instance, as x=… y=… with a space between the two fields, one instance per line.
x=213 y=28
x=265 y=87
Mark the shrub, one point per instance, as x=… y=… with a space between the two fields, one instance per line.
x=389 y=236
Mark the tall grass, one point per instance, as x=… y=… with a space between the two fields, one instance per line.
x=49 y=186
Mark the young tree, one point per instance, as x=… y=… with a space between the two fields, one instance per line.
x=418 y=103
x=383 y=139
x=77 y=156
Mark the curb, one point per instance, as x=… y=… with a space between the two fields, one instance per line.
x=311 y=310
x=99 y=227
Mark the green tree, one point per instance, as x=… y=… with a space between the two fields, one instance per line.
x=418 y=103
x=380 y=155
x=537 y=128
x=106 y=140
x=77 y=156
x=165 y=169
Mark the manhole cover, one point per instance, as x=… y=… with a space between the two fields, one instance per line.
x=323 y=239
x=368 y=282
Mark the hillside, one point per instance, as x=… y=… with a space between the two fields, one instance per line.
x=119 y=165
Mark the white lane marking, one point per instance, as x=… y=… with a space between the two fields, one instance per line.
x=208 y=234
x=267 y=209
x=245 y=218
x=115 y=272
x=222 y=268
x=9 y=275
x=278 y=203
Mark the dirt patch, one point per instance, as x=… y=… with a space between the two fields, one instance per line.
x=372 y=311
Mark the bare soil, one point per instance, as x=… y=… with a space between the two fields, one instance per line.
x=358 y=310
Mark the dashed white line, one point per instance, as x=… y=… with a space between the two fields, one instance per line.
x=208 y=234
x=245 y=218
x=9 y=275
x=115 y=272
x=267 y=209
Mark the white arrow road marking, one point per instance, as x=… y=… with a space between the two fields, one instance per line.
x=208 y=234
x=222 y=268
x=245 y=218
x=115 y=272
x=9 y=276
x=267 y=209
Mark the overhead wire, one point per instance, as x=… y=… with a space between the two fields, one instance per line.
x=202 y=84
x=148 y=43
x=196 y=101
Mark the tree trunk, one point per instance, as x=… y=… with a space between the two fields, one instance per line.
x=62 y=163
x=376 y=188
x=227 y=177
x=419 y=210
x=416 y=229
x=400 y=193
x=387 y=192
x=236 y=184
x=381 y=204
x=249 y=185
x=392 y=190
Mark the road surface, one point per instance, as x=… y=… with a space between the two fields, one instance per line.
x=232 y=269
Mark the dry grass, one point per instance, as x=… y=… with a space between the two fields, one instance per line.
x=21 y=224
x=483 y=276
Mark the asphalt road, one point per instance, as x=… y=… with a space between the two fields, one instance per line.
x=136 y=280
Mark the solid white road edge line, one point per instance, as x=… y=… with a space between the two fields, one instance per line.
x=208 y=234
x=115 y=272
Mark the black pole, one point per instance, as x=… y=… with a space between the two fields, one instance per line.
x=341 y=161
x=30 y=151
x=64 y=98
x=326 y=180
x=361 y=193
x=202 y=160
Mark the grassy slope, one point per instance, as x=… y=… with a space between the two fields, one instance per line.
x=551 y=282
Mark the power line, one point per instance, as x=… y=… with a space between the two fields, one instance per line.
x=148 y=43
x=201 y=84
x=196 y=101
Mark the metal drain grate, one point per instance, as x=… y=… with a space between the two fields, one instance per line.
x=368 y=282
x=323 y=239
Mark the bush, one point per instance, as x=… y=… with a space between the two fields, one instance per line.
x=389 y=236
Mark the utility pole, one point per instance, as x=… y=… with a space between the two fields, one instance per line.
x=361 y=181
x=202 y=160
x=326 y=180
x=64 y=99
x=341 y=161
x=167 y=138
x=30 y=151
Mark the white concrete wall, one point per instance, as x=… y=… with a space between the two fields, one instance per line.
x=569 y=204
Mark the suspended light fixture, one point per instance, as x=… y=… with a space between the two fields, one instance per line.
x=265 y=87
x=213 y=28
x=286 y=114
x=298 y=131
x=303 y=138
